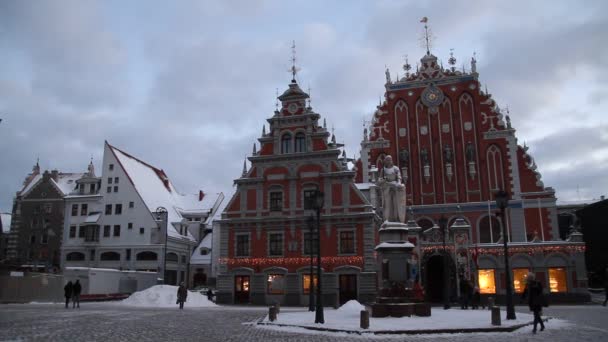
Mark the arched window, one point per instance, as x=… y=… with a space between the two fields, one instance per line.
x=107 y=256
x=171 y=257
x=75 y=256
x=146 y=256
x=489 y=229
x=286 y=143
x=425 y=223
x=300 y=142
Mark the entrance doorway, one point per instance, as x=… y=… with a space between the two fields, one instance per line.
x=435 y=280
x=348 y=287
x=241 y=289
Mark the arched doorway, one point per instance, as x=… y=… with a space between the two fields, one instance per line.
x=435 y=279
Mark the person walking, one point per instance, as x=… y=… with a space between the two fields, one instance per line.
x=476 y=299
x=76 y=294
x=536 y=300
x=209 y=294
x=464 y=294
x=182 y=294
x=67 y=292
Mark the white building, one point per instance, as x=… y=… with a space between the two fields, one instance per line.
x=204 y=260
x=133 y=218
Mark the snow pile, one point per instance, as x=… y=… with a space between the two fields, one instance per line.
x=165 y=296
x=351 y=307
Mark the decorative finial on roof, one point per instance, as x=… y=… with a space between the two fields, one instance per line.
x=36 y=168
x=264 y=130
x=324 y=124
x=276 y=102
x=486 y=89
x=474 y=63
x=255 y=149
x=309 y=97
x=294 y=70
x=452 y=60
x=463 y=71
x=91 y=168
x=508 y=118
x=427 y=39
x=407 y=67
x=245 y=166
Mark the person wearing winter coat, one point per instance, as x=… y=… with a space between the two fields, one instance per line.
x=476 y=298
x=536 y=300
x=209 y=294
x=465 y=293
x=182 y=294
x=67 y=292
x=77 y=288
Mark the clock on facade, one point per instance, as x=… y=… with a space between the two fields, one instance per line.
x=432 y=96
x=292 y=108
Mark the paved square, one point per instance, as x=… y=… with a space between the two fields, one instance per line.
x=112 y=322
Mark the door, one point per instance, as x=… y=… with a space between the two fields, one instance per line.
x=348 y=287
x=241 y=289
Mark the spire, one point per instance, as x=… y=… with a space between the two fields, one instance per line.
x=91 y=168
x=264 y=130
x=309 y=97
x=245 y=167
x=407 y=67
x=255 y=150
x=276 y=102
x=324 y=124
x=294 y=69
x=427 y=39
x=36 y=168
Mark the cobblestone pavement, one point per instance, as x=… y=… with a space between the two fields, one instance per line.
x=111 y=322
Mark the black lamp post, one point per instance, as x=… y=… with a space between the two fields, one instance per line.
x=317 y=205
x=502 y=201
x=443 y=224
x=311 y=302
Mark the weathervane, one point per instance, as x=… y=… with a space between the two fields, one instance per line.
x=427 y=35
x=294 y=70
x=276 y=102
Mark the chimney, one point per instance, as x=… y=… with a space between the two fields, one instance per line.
x=54 y=174
x=46 y=175
x=201 y=195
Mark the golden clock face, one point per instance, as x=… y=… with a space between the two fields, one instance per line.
x=432 y=96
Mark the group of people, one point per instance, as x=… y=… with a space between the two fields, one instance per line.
x=469 y=294
x=72 y=291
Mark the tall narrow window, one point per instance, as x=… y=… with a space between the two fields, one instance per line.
x=300 y=142
x=519 y=279
x=306 y=283
x=106 y=231
x=276 y=201
x=308 y=198
x=109 y=180
x=347 y=242
x=557 y=280
x=118 y=209
x=111 y=167
x=84 y=209
x=74 y=209
x=310 y=243
x=487 y=281
x=275 y=244
x=489 y=229
x=72 y=231
x=108 y=209
x=242 y=245
x=286 y=143
x=117 y=230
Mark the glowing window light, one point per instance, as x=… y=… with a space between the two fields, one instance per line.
x=520 y=276
x=276 y=284
x=306 y=283
x=557 y=280
x=487 y=281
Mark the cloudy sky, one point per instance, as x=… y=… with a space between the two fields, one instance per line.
x=187 y=85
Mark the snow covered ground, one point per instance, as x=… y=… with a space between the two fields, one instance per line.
x=165 y=296
x=347 y=318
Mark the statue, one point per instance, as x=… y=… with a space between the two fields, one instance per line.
x=388 y=76
x=404 y=157
x=393 y=191
x=424 y=154
x=447 y=154
x=470 y=152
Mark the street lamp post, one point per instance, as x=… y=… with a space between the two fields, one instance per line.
x=317 y=206
x=443 y=224
x=502 y=201
x=311 y=302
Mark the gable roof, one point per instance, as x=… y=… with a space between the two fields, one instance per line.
x=65 y=183
x=156 y=190
x=196 y=257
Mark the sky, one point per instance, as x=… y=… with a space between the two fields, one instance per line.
x=188 y=85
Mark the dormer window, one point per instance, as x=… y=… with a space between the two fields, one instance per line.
x=300 y=142
x=286 y=143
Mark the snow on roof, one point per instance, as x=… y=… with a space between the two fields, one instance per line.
x=31 y=183
x=93 y=217
x=395 y=245
x=363 y=186
x=5 y=218
x=156 y=190
x=66 y=182
x=196 y=257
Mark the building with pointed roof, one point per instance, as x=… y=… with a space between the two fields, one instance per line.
x=134 y=219
x=34 y=240
x=265 y=241
x=456 y=149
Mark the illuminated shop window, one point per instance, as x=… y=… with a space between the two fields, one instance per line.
x=487 y=281
x=276 y=284
x=557 y=280
x=306 y=283
x=519 y=279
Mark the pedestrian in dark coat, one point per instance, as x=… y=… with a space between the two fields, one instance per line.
x=464 y=294
x=209 y=294
x=182 y=294
x=476 y=299
x=536 y=300
x=67 y=292
x=76 y=294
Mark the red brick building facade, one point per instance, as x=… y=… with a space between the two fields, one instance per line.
x=265 y=241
